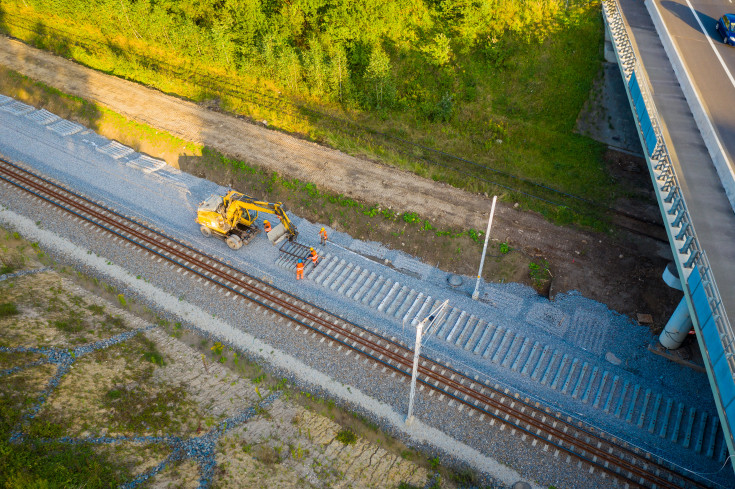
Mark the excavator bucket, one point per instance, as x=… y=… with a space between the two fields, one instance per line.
x=277 y=234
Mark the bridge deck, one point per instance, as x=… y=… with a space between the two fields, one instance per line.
x=708 y=206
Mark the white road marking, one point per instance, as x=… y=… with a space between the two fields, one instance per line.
x=712 y=45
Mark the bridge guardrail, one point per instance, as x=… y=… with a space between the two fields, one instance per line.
x=691 y=259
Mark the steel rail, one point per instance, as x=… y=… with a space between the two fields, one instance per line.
x=402 y=358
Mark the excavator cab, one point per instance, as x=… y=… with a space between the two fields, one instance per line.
x=211 y=215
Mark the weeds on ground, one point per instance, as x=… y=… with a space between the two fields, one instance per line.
x=71 y=323
x=347 y=437
x=29 y=463
x=50 y=464
x=539 y=272
x=139 y=410
x=267 y=455
x=8 y=309
x=151 y=353
x=96 y=309
x=465 y=477
x=11 y=264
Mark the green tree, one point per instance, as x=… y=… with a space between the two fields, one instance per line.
x=339 y=73
x=378 y=76
x=316 y=70
x=439 y=52
x=268 y=56
x=289 y=68
x=222 y=33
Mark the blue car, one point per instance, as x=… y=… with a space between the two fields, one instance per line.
x=726 y=27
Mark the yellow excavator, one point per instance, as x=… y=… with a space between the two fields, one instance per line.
x=231 y=217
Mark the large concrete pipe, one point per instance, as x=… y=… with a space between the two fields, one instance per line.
x=677 y=328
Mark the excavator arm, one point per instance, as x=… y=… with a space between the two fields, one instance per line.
x=243 y=209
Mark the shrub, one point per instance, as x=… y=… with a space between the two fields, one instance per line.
x=268 y=455
x=154 y=357
x=346 y=436
x=70 y=324
x=9 y=264
x=410 y=217
x=8 y=309
x=539 y=273
x=475 y=235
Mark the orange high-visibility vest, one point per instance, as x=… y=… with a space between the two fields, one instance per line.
x=323 y=233
x=267 y=226
x=314 y=257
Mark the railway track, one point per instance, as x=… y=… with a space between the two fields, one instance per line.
x=598 y=451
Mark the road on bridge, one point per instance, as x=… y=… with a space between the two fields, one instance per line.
x=710 y=62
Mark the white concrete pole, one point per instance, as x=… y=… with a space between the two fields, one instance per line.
x=476 y=293
x=433 y=317
x=414 y=372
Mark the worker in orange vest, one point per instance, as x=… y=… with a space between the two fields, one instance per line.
x=323 y=236
x=267 y=226
x=314 y=257
x=300 y=270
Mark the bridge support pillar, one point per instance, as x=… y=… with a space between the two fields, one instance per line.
x=680 y=323
x=609 y=50
x=677 y=328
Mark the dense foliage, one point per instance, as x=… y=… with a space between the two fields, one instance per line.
x=360 y=51
x=499 y=83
